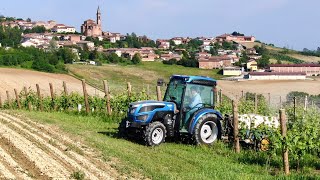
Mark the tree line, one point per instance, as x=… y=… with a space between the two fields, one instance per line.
x=37 y=59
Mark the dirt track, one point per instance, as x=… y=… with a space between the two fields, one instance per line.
x=11 y=79
x=29 y=150
x=276 y=88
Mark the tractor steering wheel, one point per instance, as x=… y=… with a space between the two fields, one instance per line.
x=187 y=109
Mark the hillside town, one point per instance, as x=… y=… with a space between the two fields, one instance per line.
x=235 y=53
x=159 y=89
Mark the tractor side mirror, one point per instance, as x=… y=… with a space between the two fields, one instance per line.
x=160 y=82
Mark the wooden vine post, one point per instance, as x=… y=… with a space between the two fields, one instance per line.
x=26 y=94
x=17 y=98
x=306 y=103
x=220 y=96
x=217 y=96
x=65 y=89
x=159 y=93
x=0 y=101
x=107 y=96
x=52 y=96
x=285 y=155
x=129 y=88
x=85 y=96
x=236 y=126
x=40 y=97
x=8 y=99
x=294 y=108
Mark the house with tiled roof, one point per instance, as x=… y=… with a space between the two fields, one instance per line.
x=215 y=62
x=204 y=55
x=163 y=44
x=252 y=65
x=170 y=55
x=229 y=37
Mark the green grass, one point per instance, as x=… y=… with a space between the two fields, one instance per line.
x=140 y=76
x=168 y=161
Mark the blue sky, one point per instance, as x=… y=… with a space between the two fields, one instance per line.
x=286 y=23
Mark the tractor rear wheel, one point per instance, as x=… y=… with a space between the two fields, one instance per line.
x=207 y=130
x=155 y=134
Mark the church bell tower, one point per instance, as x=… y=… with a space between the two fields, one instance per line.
x=98 y=17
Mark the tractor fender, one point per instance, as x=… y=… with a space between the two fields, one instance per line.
x=197 y=115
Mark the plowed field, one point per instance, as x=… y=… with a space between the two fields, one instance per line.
x=29 y=150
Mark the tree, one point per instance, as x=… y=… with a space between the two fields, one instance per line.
x=217 y=45
x=213 y=51
x=66 y=55
x=136 y=58
x=36 y=29
x=157 y=51
x=235 y=33
x=279 y=61
x=28 y=20
x=172 y=43
x=264 y=61
x=243 y=60
x=170 y=61
x=93 y=55
x=195 y=43
x=260 y=49
x=305 y=50
x=113 y=58
x=53 y=44
x=228 y=45
x=10 y=36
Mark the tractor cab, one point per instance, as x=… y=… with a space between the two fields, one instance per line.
x=187 y=108
x=189 y=94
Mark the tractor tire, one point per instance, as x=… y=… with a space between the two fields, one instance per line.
x=155 y=134
x=207 y=130
x=122 y=129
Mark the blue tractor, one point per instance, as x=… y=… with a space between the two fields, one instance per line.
x=187 y=109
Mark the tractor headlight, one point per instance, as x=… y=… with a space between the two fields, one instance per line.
x=133 y=110
x=142 y=117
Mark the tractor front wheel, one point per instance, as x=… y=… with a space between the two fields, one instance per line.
x=122 y=129
x=155 y=134
x=207 y=130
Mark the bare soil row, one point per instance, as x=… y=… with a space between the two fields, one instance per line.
x=29 y=150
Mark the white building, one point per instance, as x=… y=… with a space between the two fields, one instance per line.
x=276 y=76
x=61 y=28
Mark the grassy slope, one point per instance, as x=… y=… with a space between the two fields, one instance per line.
x=169 y=161
x=139 y=76
x=291 y=53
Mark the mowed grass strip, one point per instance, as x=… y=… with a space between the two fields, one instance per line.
x=140 y=76
x=168 y=161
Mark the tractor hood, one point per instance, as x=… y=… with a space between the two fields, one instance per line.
x=142 y=108
x=157 y=104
